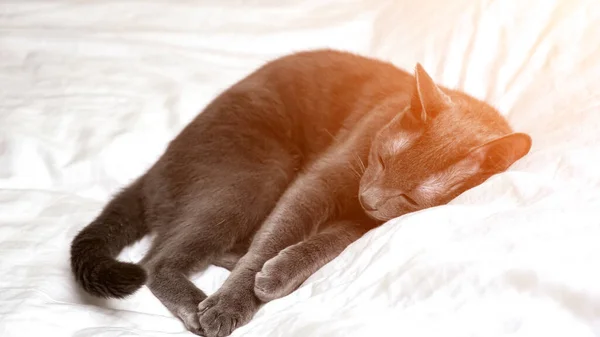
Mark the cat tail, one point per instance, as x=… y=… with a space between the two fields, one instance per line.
x=94 y=249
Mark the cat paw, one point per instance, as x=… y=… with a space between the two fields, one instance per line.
x=190 y=320
x=222 y=313
x=272 y=281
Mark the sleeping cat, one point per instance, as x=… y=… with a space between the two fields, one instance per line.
x=280 y=173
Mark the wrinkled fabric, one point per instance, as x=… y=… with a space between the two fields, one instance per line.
x=92 y=91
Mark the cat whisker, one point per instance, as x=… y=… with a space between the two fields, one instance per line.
x=358 y=175
x=361 y=164
x=330 y=134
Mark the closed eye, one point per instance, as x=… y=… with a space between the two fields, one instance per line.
x=456 y=185
x=380 y=160
x=409 y=200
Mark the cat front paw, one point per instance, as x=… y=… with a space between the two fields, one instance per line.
x=274 y=280
x=224 y=312
x=267 y=287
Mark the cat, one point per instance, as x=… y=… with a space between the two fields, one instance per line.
x=280 y=173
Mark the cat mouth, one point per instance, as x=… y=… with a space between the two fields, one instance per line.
x=389 y=209
x=377 y=215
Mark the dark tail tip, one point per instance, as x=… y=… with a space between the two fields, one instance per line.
x=94 y=249
x=109 y=278
x=121 y=279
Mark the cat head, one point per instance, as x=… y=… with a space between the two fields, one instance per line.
x=443 y=144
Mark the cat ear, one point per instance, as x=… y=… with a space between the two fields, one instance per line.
x=428 y=99
x=499 y=154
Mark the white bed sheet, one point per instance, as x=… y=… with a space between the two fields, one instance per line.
x=92 y=91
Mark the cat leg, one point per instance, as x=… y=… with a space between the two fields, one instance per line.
x=169 y=264
x=285 y=272
x=235 y=303
x=176 y=292
x=227 y=260
x=309 y=202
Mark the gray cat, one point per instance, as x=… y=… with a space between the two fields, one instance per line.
x=280 y=173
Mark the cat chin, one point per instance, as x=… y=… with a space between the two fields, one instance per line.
x=377 y=215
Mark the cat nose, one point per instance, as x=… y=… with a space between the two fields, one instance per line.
x=366 y=205
x=369 y=199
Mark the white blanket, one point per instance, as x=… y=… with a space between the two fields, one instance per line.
x=92 y=91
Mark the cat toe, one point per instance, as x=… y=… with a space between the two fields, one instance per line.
x=220 y=314
x=190 y=320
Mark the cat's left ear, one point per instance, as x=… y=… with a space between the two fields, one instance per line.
x=498 y=155
x=427 y=99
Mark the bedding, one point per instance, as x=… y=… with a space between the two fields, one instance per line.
x=92 y=91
